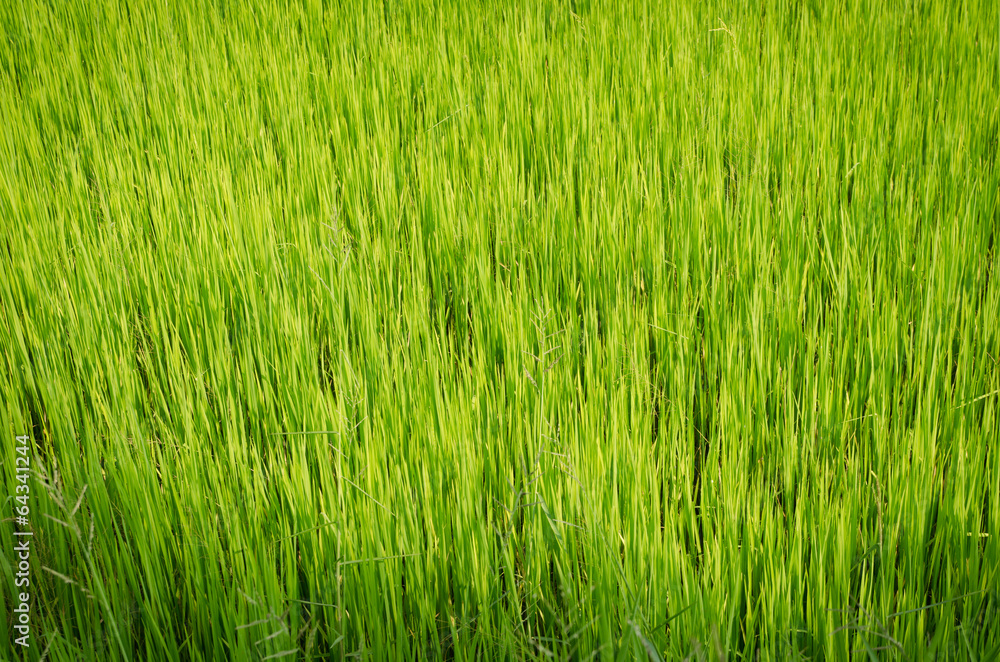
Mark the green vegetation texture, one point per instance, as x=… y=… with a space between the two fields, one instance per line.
x=461 y=331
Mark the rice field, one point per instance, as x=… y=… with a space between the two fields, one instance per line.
x=552 y=330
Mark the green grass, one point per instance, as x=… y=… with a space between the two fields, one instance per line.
x=562 y=330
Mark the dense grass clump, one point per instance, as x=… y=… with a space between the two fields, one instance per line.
x=564 y=330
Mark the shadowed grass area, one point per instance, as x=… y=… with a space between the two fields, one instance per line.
x=566 y=330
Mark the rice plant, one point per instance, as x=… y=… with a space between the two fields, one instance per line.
x=557 y=330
